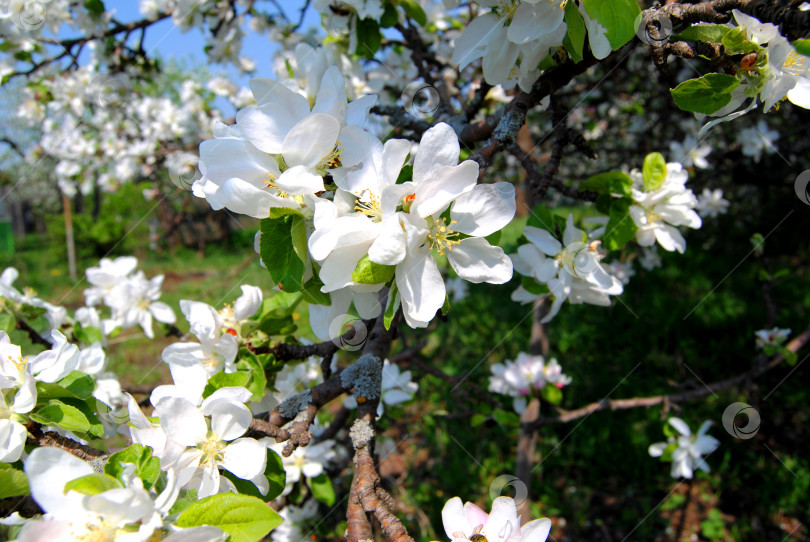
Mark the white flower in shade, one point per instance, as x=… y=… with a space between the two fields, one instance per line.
x=571 y=269
x=12 y=432
x=307 y=461
x=649 y=258
x=135 y=302
x=758 y=140
x=295 y=518
x=525 y=376
x=788 y=76
x=690 y=152
x=212 y=438
x=597 y=35
x=658 y=212
x=686 y=450
x=467 y=522
x=771 y=337
x=294 y=378
x=525 y=30
x=622 y=271
x=456 y=288
x=396 y=388
x=279 y=148
x=711 y=203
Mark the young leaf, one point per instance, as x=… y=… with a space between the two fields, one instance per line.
x=64 y=416
x=279 y=254
x=147 y=468
x=710 y=33
x=654 y=171
x=552 y=394
x=611 y=182
x=706 y=94
x=414 y=11
x=621 y=228
x=93 y=484
x=368 y=37
x=392 y=305
x=574 y=40
x=244 y=518
x=13 y=482
x=617 y=16
x=368 y=272
x=322 y=489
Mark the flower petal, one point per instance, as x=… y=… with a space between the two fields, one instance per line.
x=475 y=260
x=485 y=209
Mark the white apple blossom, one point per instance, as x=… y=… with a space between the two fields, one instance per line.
x=711 y=203
x=571 y=269
x=758 y=140
x=687 y=450
x=467 y=522
x=135 y=302
x=690 y=152
x=658 y=212
x=771 y=337
x=125 y=513
x=211 y=437
x=649 y=258
x=20 y=383
x=524 y=377
x=295 y=517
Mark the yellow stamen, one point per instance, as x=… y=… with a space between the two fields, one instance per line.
x=442 y=236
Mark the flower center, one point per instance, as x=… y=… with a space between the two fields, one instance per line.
x=213 y=451
x=794 y=64
x=331 y=160
x=442 y=237
x=369 y=205
x=271 y=183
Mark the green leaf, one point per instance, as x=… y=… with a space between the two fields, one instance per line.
x=76 y=384
x=322 y=489
x=621 y=228
x=611 y=182
x=147 y=468
x=258 y=380
x=542 y=218
x=93 y=484
x=279 y=253
x=389 y=17
x=186 y=498
x=87 y=335
x=368 y=272
x=414 y=11
x=67 y=417
x=226 y=380
x=95 y=7
x=368 y=37
x=244 y=518
x=312 y=292
x=506 y=418
x=13 y=482
x=574 y=40
x=802 y=47
x=392 y=305
x=654 y=171
x=446 y=305
x=405 y=174
x=736 y=43
x=617 y=16
x=478 y=419
x=7 y=322
x=710 y=33
x=705 y=95
x=552 y=394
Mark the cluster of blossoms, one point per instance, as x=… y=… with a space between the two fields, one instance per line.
x=467 y=521
x=514 y=36
x=365 y=226
x=685 y=450
x=525 y=377
x=130 y=296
